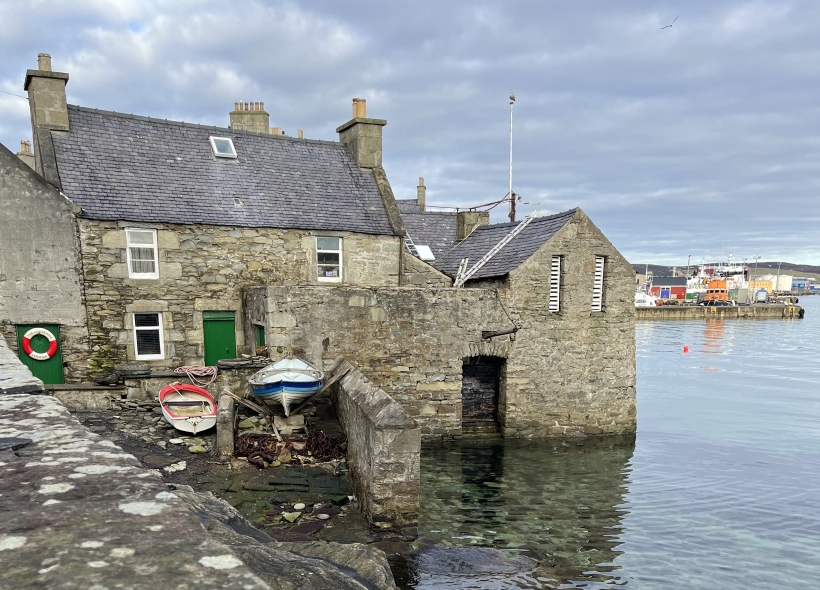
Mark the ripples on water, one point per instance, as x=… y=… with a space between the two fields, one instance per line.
x=720 y=489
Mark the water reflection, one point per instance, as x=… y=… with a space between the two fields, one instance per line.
x=558 y=504
x=712 y=336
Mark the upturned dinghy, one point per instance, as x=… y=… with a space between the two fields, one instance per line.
x=286 y=382
x=187 y=407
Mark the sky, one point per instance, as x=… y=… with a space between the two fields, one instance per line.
x=698 y=139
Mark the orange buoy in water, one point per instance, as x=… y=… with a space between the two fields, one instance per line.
x=685 y=349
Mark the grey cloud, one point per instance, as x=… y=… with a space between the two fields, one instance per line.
x=689 y=140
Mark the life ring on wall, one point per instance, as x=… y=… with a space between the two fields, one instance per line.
x=39 y=356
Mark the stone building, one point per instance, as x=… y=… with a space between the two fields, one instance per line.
x=168 y=221
x=186 y=244
x=539 y=342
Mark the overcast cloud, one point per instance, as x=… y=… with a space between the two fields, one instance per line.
x=693 y=139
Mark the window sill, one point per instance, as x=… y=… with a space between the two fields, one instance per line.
x=152 y=357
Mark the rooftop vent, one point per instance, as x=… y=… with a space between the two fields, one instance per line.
x=222 y=147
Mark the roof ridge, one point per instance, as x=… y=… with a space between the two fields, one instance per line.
x=515 y=223
x=76 y=107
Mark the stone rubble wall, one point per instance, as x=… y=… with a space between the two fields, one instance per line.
x=204 y=268
x=383 y=450
x=39 y=262
x=418 y=273
x=411 y=342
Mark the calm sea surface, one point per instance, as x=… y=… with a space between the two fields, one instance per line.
x=719 y=490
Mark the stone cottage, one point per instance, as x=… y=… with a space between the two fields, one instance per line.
x=165 y=223
x=190 y=244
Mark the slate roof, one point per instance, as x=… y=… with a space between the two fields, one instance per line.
x=512 y=255
x=132 y=168
x=432 y=228
x=408 y=205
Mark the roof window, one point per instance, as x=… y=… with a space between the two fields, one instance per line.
x=222 y=147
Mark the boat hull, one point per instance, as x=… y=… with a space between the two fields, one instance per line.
x=187 y=407
x=286 y=383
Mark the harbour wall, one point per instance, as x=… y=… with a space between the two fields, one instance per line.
x=698 y=312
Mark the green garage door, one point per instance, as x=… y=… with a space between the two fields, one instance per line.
x=44 y=355
x=220 y=335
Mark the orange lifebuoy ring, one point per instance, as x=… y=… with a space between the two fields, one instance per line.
x=40 y=356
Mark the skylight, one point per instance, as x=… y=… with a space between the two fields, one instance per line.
x=222 y=147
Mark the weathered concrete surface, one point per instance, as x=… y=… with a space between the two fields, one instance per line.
x=14 y=375
x=383 y=452
x=699 y=312
x=291 y=566
x=77 y=512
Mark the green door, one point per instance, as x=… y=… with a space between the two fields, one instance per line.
x=220 y=335
x=39 y=338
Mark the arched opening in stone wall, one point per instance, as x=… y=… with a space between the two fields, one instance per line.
x=481 y=392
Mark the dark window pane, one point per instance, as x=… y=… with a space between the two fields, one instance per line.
x=328 y=271
x=146 y=320
x=328 y=258
x=148 y=342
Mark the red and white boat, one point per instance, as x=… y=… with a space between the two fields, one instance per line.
x=187 y=407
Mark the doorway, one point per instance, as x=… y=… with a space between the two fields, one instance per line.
x=219 y=329
x=480 y=386
x=38 y=346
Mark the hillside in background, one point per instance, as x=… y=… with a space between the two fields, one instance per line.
x=763 y=268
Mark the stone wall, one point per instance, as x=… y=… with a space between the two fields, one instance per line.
x=411 y=342
x=573 y=371
x=39 y=262
x=383 y=450
x=418 y=273
x=203 y=268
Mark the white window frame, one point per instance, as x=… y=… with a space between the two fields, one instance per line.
x=153 y=246
x=598 y=284
x=148 y=357
x=338 y=279
x=212 y=141
x=555 y=284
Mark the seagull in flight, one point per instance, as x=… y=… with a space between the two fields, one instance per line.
x=670 y=26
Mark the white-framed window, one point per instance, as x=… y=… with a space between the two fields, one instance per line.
x=222 y=147
x=598 y=284
x=142 y=253
x=329 y=259
x=148 y=344
x=555 y=284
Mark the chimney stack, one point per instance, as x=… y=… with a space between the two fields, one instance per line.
x=363 y=136
x=421 y=194
x=467 y=221
x=25 y=153
x=250 y=116
x=47 y=102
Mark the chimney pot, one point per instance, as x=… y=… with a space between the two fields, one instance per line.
x=44 y=62
x=236 y=106
x=359 y=108
x=261 y=106
x=276 y=131
x=301 y=134
x=421 y=194
x=246 y=107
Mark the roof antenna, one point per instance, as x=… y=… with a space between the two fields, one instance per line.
x=511 y=193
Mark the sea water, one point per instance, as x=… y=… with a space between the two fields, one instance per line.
x=719 y=489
